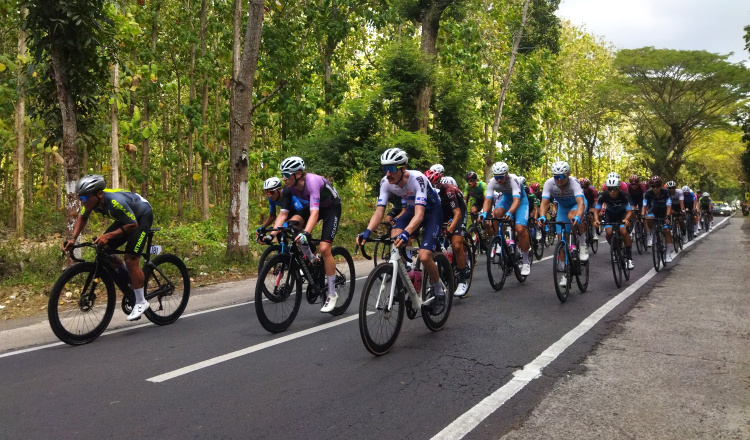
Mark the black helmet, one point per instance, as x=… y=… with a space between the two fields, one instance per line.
x=91 y=184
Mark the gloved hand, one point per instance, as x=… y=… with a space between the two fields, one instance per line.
x=404 y=236
x=363 y=236
x=303 y=238
x=510 y=215
x=576 y=220
x=268 y=239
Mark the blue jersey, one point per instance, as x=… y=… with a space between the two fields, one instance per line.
x=297 y=204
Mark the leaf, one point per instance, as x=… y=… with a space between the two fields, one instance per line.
x=2 y=67
x=146 y=133
x=196 y=177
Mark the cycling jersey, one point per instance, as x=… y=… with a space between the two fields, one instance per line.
x=317 y=190
x=565 y=196
x=125 y=208
x=511 y=187
x=591 y=195
x=398 y=206
x=452 y=198
x=533 y=199
x=676 y=197
x=657 y=204
x=296 y=205
x=705 y=203
x=617 y=207
x=636 y=192
x=417 y=191
x=623 y=187
x=476 y=193
x=689 y=200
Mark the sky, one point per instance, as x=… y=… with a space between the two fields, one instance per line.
x=712 y=25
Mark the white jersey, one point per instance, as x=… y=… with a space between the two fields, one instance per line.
x=512 y=186
x=565 y=195
x=417 y=191
x=677 y=197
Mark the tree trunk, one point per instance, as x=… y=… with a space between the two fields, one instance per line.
x=245 y=62
x=204 y=112
x=430 y=21
x=114 y=122
x=19 y=156
x=490 y=156
x=70 y=133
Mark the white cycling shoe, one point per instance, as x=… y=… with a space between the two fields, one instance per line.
x=329 y=304
x=138 y=310
x=650 y=241
x=461 y=289
x=631 y=266
x=670 y=257
x=584 y=252
x=563 y=281
x=525 y=269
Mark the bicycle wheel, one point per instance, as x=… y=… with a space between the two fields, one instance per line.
x=582 y=277
x=656 y=251
x=549 y=237
x=81 y=304
x=167 y=288
x=624 y=260
x=278 y=293
x=381 y=254
x=614 y=256
x=538 y=247
x=637 y=233
x=270 y=250
x=517 y=266
x=345 y=279
x=380 y=326
x=436 y=322
x=470 y=262
x=474 y=237
x=593 y=242
x=561 y=268
x=496 y=264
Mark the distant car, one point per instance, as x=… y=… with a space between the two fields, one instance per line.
x=721 y=208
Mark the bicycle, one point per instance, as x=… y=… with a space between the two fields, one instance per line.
x=659 y=247
x=82 y=301
x=568 y=263
x=677 y=232
x=689 y=225
x=390 y=291
x=537 y=243
x=705 y=223
x=592 y=242
x=638 y=234
x=447 y=250
x=477 y=233
x=278 y=292
x=617 y=254
x=503 y=255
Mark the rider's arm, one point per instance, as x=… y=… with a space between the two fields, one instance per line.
x=456 y=218
x=543 y=207
x=376 y=218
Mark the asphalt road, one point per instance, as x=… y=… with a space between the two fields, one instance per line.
x=321 y=383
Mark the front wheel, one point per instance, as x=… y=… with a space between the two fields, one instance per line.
x=270 y=250
x=345 y=279
x=582 y=277
x=496 y=264
x=380 y=320
x=445 y=272
x=81 y=304
x=656 y=250
x=166 y=288
x=637 y=233
x=278 y=293
x=614 y=256
x=592 y=241
x=561 y=272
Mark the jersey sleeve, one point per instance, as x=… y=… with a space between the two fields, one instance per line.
x=384 y=192
x=600 y=200
x=490 y=190
x=285 y=204
x=515 y=187
x=547 y=189
x=420 y=194
x=122 y=212
x=575 y=187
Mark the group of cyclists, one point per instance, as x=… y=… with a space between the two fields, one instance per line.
x=422 y=201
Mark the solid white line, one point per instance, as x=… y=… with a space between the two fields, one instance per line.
x=470 y=419
x=248 y=350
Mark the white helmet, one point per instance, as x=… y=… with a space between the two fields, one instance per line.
x=671 y=184
x=522 y=180
x=448 y=181
x=394 y=156
x=272 y=183
x=500 y=168
x=686 y=189
x=439 y=168
x=706 y=194
x=560 y=167
x=612 y=182
x=613 y=174
x=292 y=165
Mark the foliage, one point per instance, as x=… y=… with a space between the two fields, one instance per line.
x=403 y=73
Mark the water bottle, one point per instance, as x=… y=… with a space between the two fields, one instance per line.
x=416 y=278
x=449 y=254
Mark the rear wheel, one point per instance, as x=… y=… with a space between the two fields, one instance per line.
x=614 y=256
x=582 y=277
x=517 y=264
x=560 y=270
x=593 y=242
x=167 y=288
x=379 y=325
x=436 y=322
x=656 y=250
x=270 y=250
x=496 y=264
x=81 y=304
x=637 y=233
x=278 y=293
x=345 y=279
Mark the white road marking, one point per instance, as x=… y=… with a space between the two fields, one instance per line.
x=248 y=350
x=470 y=419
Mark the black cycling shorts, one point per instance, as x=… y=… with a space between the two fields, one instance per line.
x=330 y=216
x=136 y=240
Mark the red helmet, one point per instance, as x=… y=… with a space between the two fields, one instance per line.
x=655 y=181
x=633 y=178
x=471 y=175
x=433 y=176
x=534 y=187
x=584 y=182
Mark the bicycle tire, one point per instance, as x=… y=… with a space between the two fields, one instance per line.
x=167 y=279
x=81 y=314
x=637 y=232
x=561 y=253
x=656 y=251
x=517 y=266
x=378 y=328
x=582 y=277
x=538 y=246
x=278 y=304
x=273 y=249
x=624 y=260
x=445 y=272
x=471 y=262
x=496 y=263
x=614 y=256
x=345 y=274
x=592 y=242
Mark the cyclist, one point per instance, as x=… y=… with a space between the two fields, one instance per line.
x=591 y=195
x=475 y=189
x=570 y=201
x=454 y=208
x=439 y=168
x=399 y=207
x=276 y=192
x=618 y=210
x=690 y=200
x=132 y=217
x=657 y=203
x=678 y=202
x=534 y=207
x=623 y=185
x=423 y=208
x=636 y=190
x=513 y=205
x=323 y=204
x=707 y=208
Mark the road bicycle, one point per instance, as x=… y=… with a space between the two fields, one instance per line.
x=278 y=292
x=591 y=240
x=638 y=234
x=617 y=254
x=659 y=245
x=567 y=263
x=503 y=254
x=391 y=292
x=537 y=238
x=705 y=223
x=82 y=300
x=689 y=225
x=477 y=233
x=447 y=250
x=677 y=232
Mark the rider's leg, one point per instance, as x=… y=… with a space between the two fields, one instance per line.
x=628 y=242
x=457 y=243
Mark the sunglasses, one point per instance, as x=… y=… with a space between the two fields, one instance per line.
x=390 y=169
x=472 y=180
x=500 y=176
x=655 y=186
x=559 y=176
x=613 y=189
x=286 y=175
x=84 y=199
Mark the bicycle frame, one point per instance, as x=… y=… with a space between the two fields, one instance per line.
x=399 y=271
